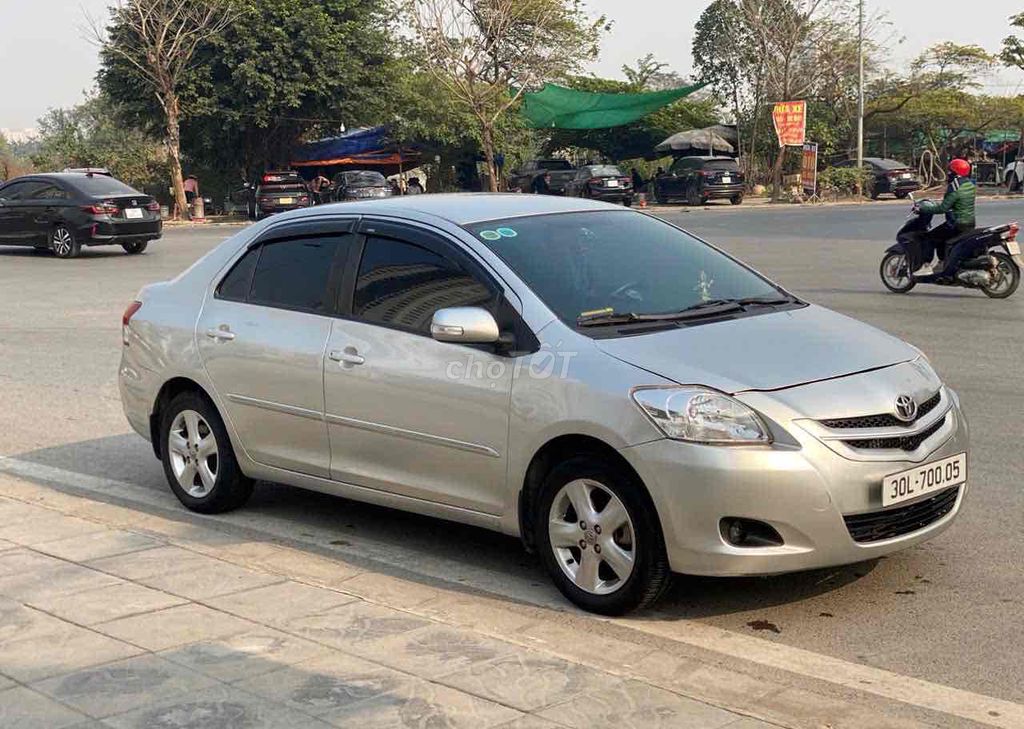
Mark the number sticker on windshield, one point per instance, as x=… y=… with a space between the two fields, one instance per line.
x=490 y=235
x=506 y=232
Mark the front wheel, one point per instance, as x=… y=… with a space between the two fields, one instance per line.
x=895 y=273
x=1005 y=278
x=135 y=247
x=198 y=460
x=599 y=537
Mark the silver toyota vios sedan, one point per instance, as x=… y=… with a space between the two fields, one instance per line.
x=629 y=400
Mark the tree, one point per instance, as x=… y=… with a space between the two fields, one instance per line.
x=94 y=134
x=1012 y=53
x=486 y=53
x=158 y=40
x=728 y=66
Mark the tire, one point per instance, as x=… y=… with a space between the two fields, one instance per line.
x=627 y=201
x=135 y=247
x=64 y=243
x=902 y=195
x=638 y=544
x=185 y=425
x=1009 y=281
x=736 y=199
x=659 y=196
x=1012 y=185
x=892 y=264
x=693 y=198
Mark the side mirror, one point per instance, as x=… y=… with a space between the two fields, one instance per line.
x=465 y=325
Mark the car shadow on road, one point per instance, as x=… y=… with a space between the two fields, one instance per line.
x=44 y=254
x=454 y=557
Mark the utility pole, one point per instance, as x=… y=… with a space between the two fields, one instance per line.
x=860 y=93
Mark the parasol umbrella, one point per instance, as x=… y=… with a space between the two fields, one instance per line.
x=695 y=140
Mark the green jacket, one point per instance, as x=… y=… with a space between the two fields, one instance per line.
x=958 y=204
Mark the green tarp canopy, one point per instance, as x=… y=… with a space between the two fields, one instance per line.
x=560 y=108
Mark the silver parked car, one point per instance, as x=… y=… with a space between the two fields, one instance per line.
x=629 y=400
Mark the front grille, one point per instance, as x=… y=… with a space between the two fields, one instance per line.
x=891 y=523
x=884 y=420
x=900 y=443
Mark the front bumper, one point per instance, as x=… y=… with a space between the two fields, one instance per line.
x=803 y=490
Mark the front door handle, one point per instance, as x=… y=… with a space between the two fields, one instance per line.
x=347 y=357
x=222 y=333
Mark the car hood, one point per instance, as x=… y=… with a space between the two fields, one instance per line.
x=767 y=352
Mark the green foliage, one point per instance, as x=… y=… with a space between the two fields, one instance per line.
x=1012 y=53
x=94 y=134
x=843 y=181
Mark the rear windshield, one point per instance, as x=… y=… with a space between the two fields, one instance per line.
x=281 y=178
x=365 y=179
x=101 y=185
x=889 y=164
x=553 y=164
x=722 y=164
x=605 y=171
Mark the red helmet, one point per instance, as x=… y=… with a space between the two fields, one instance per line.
x=960 y=168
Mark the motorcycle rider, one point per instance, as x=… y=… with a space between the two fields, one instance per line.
x=958 y=206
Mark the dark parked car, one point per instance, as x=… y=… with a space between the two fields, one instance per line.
x=888 y=176
x=279 y=190
x=601 y=182
x=63 y=212
x=699 y=179
x=562 y=172
x=360 y=185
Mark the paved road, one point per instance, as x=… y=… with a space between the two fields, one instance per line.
x=946 y=612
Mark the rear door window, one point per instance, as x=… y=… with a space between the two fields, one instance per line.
x=49 y=192
x=294 y=274
x=21 y=190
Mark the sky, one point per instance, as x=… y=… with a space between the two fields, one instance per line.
x=48 y=63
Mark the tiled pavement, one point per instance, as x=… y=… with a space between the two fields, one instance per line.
x=117 y=618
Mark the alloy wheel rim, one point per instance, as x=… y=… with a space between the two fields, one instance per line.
x=1004 y=278
x=62 y=241
x=193 y=452
x=893 y=266
x=592 y=537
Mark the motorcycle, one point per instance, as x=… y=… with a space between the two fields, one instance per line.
x=996 y=270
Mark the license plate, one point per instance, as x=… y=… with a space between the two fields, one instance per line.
x=286 y=200
x=924 y=479
x=1013 y=247
x=133 y=212
x=726 y=180
x=611 y=183
x=906 y=176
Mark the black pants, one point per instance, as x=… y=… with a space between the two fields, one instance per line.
x=946 y=241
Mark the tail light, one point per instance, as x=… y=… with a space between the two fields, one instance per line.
x=706 y=173
x=126 y=319
x=1011 y=234
x=626 y=181
x=102 y=209
x=304 y=199
x=153 y=207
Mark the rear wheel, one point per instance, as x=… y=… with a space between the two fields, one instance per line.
x=895 y=273
x=198 y=460
x=1005 y=278
x=135 y=247
x=599 y=536
x=659 y=195
x=63 y=242
x=902 y=195
x=736 y=199
x=693 y=198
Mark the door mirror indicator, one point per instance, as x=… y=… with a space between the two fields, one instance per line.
x=464 y=324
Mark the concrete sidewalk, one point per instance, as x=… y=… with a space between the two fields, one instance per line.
x=115 y=617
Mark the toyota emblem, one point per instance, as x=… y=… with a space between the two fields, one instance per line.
x=906 y=408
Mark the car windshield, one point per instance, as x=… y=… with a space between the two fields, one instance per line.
x=101 y=185
x=365 y=179
x=554 y=164
x=617 y=262
x=605 y=171
x=722 y=164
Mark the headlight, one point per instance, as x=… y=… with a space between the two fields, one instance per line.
x=701 y=415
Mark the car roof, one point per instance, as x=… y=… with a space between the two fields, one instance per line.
x=463 y=208
x=65 y=176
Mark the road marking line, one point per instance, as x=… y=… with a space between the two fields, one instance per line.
x=983 y=709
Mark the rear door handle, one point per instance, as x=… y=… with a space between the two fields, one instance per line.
x=222 y=333
x=349 y=357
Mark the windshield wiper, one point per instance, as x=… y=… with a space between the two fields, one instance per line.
x=712 y=307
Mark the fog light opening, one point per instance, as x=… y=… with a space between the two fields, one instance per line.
x=739 y=532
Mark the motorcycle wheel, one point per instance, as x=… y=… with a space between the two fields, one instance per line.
x=1008 y=279
x=895 y=274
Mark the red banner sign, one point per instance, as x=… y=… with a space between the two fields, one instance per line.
x=790 y=119
x=809 y=168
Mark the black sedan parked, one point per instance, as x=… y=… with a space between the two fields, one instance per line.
x=360 y=185
x=63 y=212
x=699 y=179
x=601 y=182
x=887 y=176
x=278 y=191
